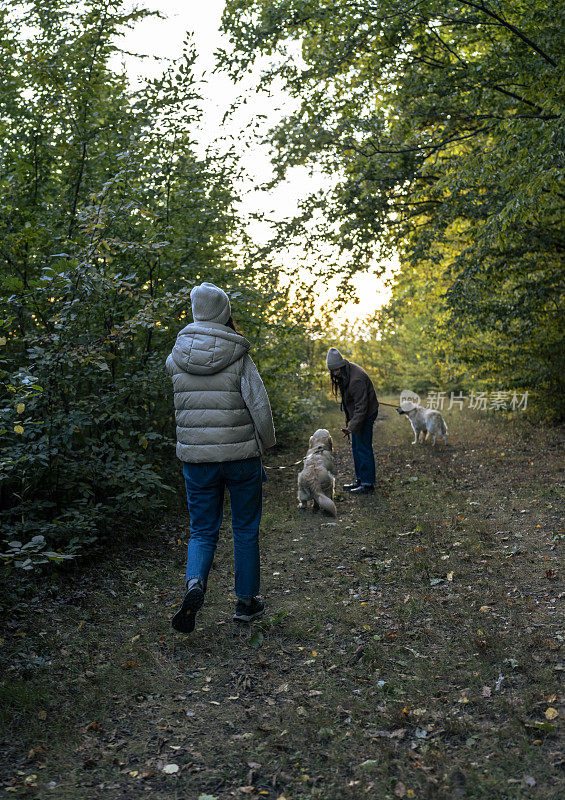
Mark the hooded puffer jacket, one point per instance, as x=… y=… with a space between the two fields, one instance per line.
x=222 y=409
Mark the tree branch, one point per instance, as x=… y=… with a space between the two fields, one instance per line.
x=485 y=10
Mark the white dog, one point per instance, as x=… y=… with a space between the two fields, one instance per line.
x=424 y=420
x=316 y=481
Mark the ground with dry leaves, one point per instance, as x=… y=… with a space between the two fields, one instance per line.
x=410 y=649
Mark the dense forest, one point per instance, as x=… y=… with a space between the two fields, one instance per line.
x=438 y=127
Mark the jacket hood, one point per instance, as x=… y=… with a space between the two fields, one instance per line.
x=204 y=348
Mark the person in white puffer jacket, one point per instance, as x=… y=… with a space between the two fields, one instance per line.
x=224 y=425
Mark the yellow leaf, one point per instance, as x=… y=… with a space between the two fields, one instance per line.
x=314 y=653
x=410 y=793
x=450 y=576
x=2 y=341
x=18 y=429
x=20 y=408
x=551 y=713
x=134 y=773
x=144 y=443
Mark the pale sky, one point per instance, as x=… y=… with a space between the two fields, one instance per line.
x=164 y=39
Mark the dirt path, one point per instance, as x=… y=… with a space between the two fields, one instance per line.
x=410 y=649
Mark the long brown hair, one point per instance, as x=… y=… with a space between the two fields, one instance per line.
x=231 y=324
x=337 y=383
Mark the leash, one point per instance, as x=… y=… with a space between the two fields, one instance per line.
x=300 y=460
x=286 y=466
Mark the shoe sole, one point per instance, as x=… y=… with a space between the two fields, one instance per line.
x=248 y=617
x=185 y=618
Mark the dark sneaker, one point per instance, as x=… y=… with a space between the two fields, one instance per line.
x=348 y=487
x=363 y=489
x=185 y=618
x=248 y=610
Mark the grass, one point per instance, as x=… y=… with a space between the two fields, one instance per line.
x=409 y=650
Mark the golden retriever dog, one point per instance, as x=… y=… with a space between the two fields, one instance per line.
x=425 y=421
x=316 y=481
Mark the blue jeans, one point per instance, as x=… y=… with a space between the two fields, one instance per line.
x=205 y=486
x=363 y=456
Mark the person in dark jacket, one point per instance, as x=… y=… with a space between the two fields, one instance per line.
x=360 y=404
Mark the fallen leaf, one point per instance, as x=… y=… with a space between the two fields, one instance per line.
x=37 y=751
x=486 y=692
x=170 y=769
x=256 y=640
x=528 y=780
x=396 y=734
x=400 y=790
x=370 y=765
x=42 y=714
x=551 y=713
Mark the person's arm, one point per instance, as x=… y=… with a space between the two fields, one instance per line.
x=358 y=390
x=256 y=399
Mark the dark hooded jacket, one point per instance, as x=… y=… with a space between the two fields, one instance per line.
x=358 y=396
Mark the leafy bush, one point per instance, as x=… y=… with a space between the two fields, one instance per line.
x=108 y=219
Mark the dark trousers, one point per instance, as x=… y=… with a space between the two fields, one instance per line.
x=205 y=486
x=363 y=456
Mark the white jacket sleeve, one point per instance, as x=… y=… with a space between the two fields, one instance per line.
x=257 y=401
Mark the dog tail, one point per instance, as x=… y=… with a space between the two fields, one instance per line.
x=326 y=504
x=443 y=427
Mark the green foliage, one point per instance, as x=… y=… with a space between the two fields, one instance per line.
x=439 y=124
x=107 y=220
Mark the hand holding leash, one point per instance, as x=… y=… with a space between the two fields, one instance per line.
x=346 y=432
